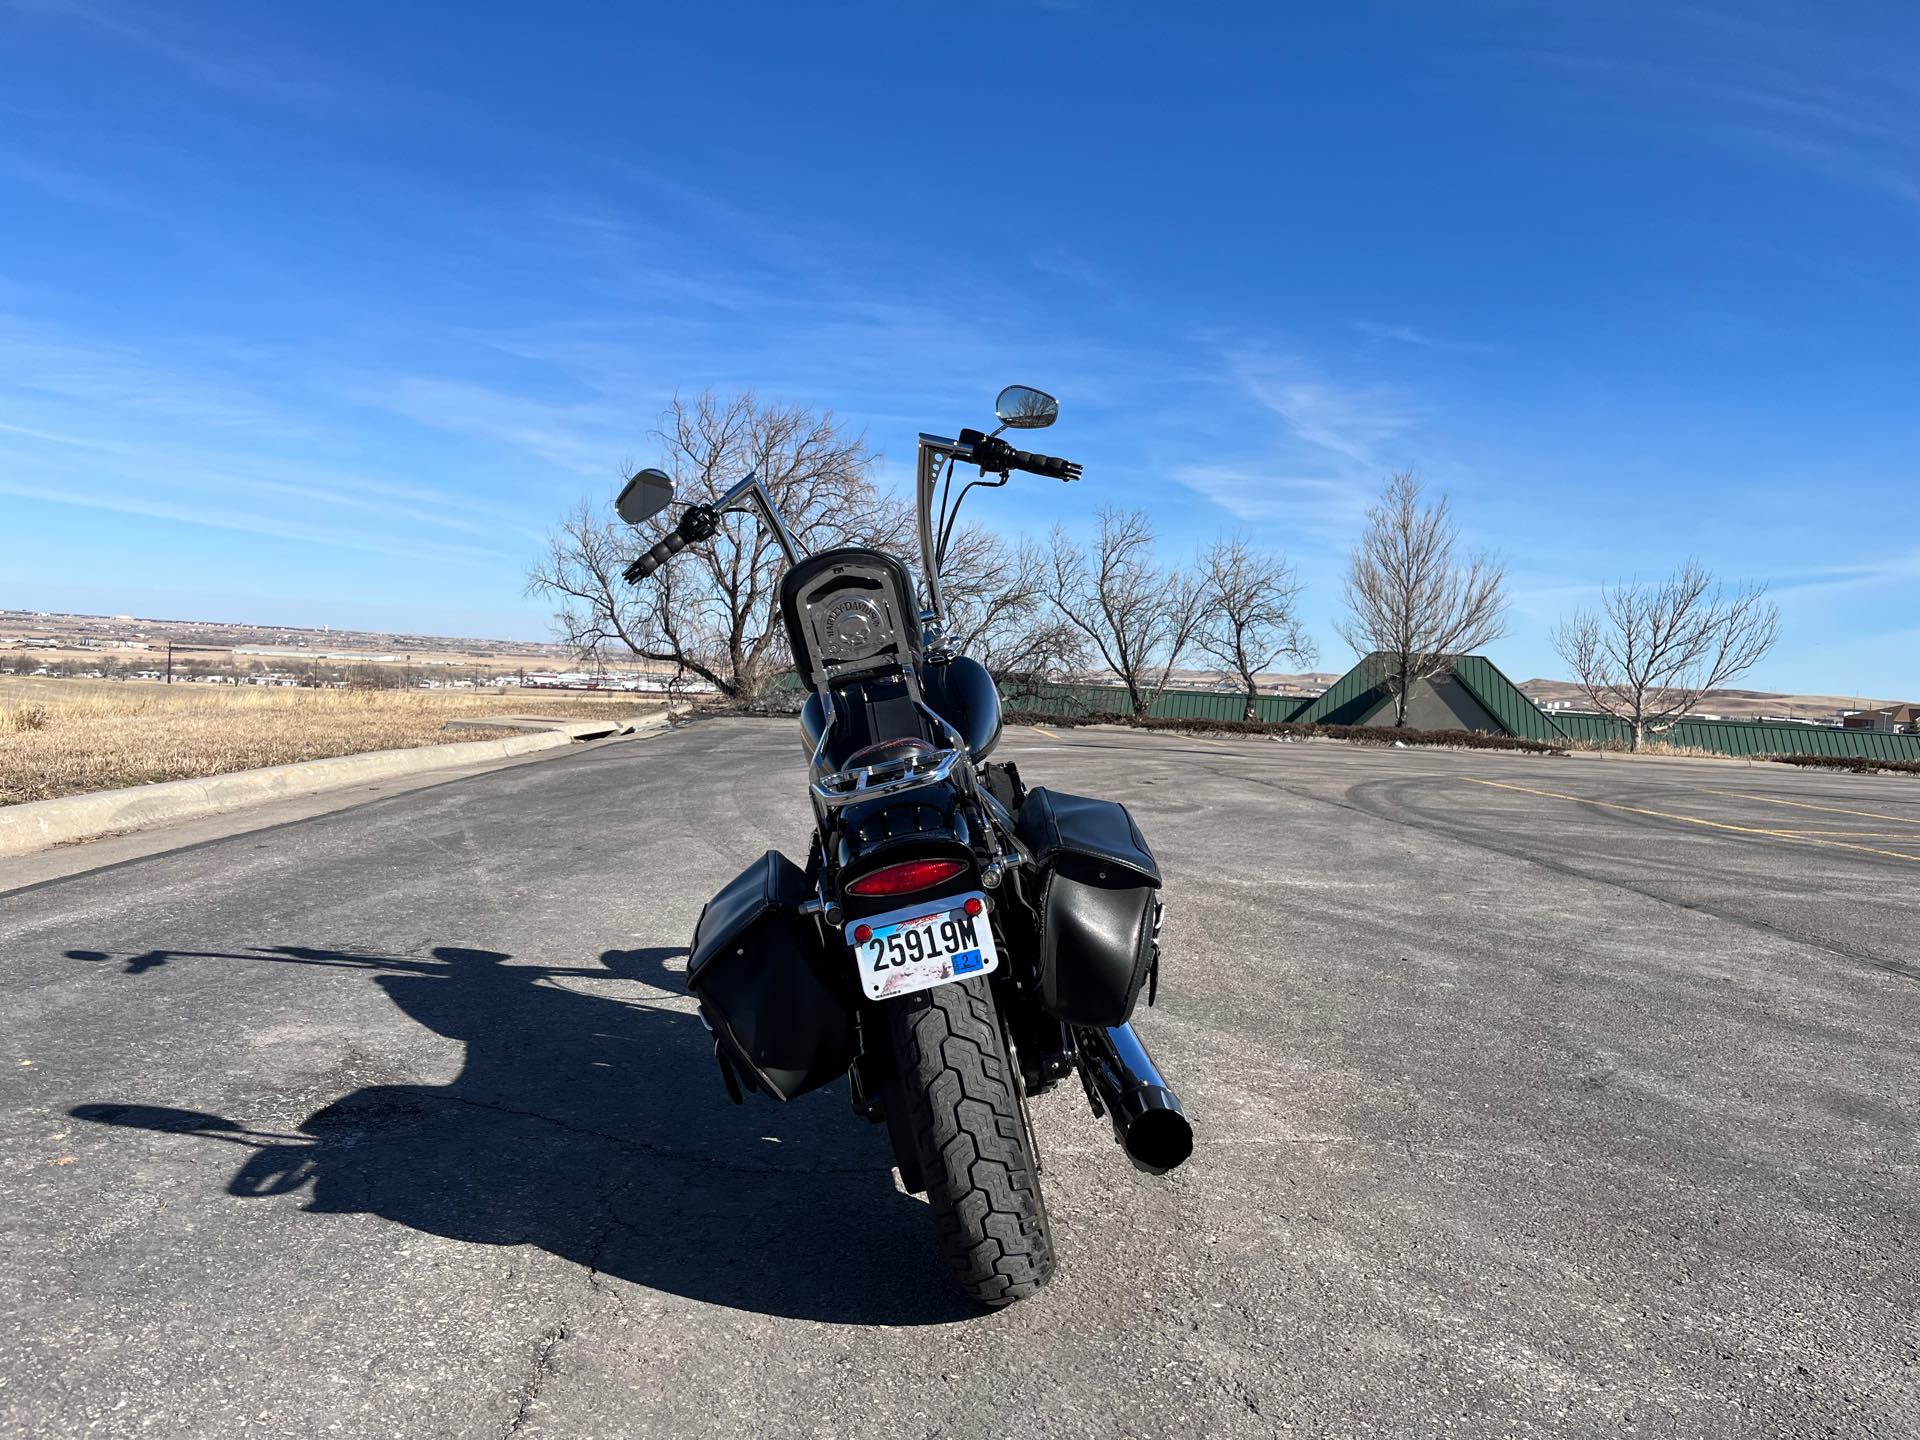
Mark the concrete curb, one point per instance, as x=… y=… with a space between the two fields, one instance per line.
x=578 y=729
x=42 y=823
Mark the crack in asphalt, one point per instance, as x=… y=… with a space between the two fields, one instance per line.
x=543 y=1368
x=571 y=1325
x=596 y=1276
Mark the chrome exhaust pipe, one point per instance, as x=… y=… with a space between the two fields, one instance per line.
x=1124 y=1084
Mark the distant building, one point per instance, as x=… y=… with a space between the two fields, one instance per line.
x=1469 y=693
x=1886 y=721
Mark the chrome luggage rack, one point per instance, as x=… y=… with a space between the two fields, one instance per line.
x=871 y=782
x=834 y=788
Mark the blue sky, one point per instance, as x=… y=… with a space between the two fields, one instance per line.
x=324 y=313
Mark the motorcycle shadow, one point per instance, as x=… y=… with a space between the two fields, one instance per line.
x=595 y=1127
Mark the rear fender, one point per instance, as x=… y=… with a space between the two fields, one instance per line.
x=928 y=824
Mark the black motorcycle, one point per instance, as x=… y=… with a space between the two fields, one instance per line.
x=956 y=942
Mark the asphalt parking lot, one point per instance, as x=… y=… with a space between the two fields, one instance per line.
x=1534 y=1097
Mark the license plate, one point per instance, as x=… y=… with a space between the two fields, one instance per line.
x=916 y=948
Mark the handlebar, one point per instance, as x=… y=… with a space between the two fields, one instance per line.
x=990 y=452
x=656 y=557
x=699 y=523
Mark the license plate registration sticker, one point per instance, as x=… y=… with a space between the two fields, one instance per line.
x=917 y=948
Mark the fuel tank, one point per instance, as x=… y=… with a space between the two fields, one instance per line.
x=963 y=694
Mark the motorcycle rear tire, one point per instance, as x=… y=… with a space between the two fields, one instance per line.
x=970 y=1135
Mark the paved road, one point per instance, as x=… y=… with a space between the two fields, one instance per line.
x=1536 y=1097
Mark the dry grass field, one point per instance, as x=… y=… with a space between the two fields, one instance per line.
x=65 y=737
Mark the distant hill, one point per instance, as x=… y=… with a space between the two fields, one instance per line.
x=1731 y=704
x=1312 y=682
x=137 y=641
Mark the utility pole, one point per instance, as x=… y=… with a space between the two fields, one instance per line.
x=169 y=662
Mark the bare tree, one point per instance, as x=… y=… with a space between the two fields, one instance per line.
x=997 y=610
x=1656 y=649
x=711 y=609
x=1251 y=617
x=1139 y=618
x=1408 y=601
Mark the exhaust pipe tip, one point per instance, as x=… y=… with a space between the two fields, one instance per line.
x=1147 y=1117
x=1157 y=1138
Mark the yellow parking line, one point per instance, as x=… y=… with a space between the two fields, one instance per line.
x=1696 y=820
x=1048 y=733
x=1205 y=741
x=1903 y=835
x=1830 y=809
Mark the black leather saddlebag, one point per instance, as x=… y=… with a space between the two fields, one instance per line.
x=756 y=969
x=1098 y=911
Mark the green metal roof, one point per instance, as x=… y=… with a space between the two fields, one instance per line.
x=1351 y=698
x=1503 y=699
x=1356 y=694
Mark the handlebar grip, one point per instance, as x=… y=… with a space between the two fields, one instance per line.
x=656 y=557
x=990 y=452
x=1051 y=466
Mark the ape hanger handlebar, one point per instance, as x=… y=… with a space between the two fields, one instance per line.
x=700 y=522
x=1019 y=407
x=937 y=519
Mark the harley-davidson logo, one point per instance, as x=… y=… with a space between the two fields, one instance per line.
x=852 y=628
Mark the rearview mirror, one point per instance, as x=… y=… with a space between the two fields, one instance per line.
x=1021 y=407
x=645 y=496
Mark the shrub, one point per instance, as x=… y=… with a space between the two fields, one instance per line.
x=769 y=705
x=1852 y=764
x=24 y=717
x=1652 y=747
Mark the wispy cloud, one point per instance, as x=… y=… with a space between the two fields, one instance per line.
x=114 y=428
x=1900 y=569
x=1063 y=264
x=1317 y=506
x=1311 y=451
x=581 y=437
x=119 y=377
x=150 y=505
x=70 y=186
x=1407 y=335
x=202 y=481
x=280 y=80
x=1837 y=100
x=1353 y=422
x=1548 y=598
x=1861 y=167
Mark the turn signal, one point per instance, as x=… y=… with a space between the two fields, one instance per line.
x=905 y=878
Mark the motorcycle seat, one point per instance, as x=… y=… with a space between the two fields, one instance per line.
x=883 y=751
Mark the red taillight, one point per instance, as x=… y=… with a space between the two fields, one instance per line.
x=905 y=878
